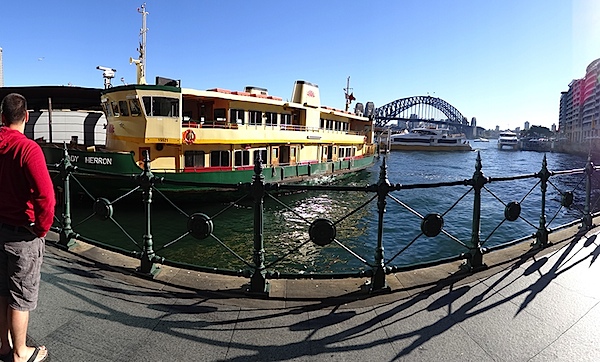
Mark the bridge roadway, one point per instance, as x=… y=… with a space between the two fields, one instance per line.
x=542 y=306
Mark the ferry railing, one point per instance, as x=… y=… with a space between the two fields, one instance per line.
x=322 y=231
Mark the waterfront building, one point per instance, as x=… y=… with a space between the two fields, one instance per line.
x=579 y=112
x=526 y=126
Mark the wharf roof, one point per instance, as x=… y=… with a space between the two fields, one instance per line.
x=62 y=97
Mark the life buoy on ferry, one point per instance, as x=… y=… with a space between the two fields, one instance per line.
x=189 y=136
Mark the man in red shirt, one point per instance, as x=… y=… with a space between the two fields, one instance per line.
x=26 y=214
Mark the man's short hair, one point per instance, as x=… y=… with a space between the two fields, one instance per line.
x=14 y=108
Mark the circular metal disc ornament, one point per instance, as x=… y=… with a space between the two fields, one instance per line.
x=322 y=232
x=200 y=226
x=103 y=208
x=512 y=211
x=567 y=199
x=432 y=225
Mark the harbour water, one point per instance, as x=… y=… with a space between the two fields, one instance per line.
x=287 y=218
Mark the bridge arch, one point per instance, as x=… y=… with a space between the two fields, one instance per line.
x=391 y=111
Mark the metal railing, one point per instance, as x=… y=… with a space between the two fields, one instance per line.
x=322 y=231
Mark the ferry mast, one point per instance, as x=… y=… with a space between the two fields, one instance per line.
x=140 y=63
x=348 y=94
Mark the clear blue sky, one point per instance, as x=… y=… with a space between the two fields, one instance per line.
x=504 y=62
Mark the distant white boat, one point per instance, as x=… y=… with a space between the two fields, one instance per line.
x=508 y=139
x=481 y=140
x=429 y=139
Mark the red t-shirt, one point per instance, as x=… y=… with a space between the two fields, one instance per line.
x=26 y=191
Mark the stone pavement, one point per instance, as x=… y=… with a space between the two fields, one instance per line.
x=542 y=306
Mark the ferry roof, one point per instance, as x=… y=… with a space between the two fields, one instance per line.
x=231 y=95
x=63 y=97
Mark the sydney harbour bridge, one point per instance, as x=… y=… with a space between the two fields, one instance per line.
x=417 y=111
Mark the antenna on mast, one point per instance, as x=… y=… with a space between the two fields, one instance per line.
x=140 y=63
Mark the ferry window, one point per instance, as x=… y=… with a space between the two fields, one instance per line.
x=161 y=106
x=242 y=158
x=107 y=109
x=286 y=118
x=271 y=118
x=124 y=108
x=236 y=116
x=263 y=156
x=219 y=158
x=255 y=118
x=134 y=106
x=322 y=123
x=220 y=114
x=194 y=158
x=115 y=108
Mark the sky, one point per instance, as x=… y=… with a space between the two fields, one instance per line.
x=504 y=62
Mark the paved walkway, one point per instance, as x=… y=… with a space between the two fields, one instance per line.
x=542 y=306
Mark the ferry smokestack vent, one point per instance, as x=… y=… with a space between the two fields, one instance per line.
x=359 y=109
x=369 y=109
x=306 y=94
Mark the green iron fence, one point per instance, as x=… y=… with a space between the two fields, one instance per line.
x=322 y=231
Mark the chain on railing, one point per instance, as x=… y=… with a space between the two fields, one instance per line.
x=322 y=231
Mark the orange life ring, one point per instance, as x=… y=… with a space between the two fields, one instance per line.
x=189 y=136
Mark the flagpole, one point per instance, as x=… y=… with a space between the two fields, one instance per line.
x=348 y=95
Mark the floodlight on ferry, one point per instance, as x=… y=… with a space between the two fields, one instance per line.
x=108 y=72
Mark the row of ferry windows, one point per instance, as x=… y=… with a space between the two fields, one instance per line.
x=221 y=158
x=240 y=157
x=334 y=125
x=169 y=107
x=154 y=106
x=255 y=118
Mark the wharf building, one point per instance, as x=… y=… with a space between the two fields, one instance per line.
x=579 y=114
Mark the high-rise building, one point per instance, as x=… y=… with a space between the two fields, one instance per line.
x=526 y=126
x=579 y=112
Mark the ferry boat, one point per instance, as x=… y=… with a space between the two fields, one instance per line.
x=508 y=139
x=429 y=139
x=214 y=136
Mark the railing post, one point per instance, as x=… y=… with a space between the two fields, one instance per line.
x=67 y=236
x=474 y=260
x=148 y=257
x=587 y=212
x=258 y=280
x=541 y=236
x=378 y=281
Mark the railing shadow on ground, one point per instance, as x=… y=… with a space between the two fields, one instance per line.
x=337 y=330
x=323 y=232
